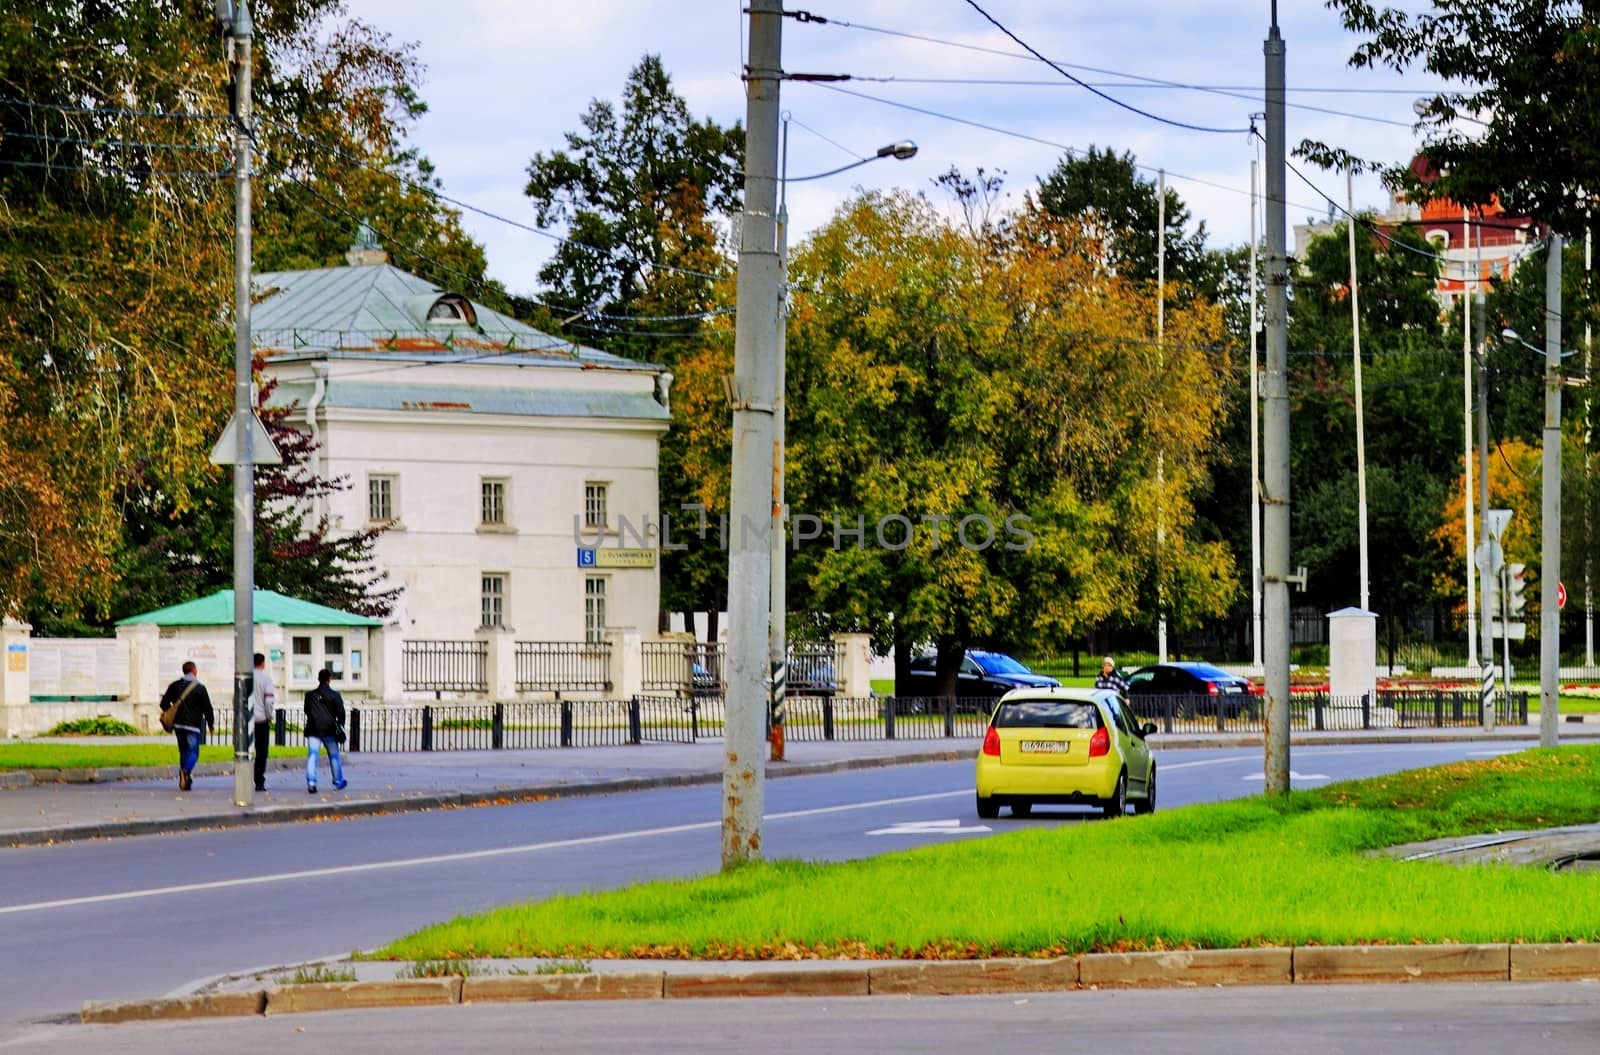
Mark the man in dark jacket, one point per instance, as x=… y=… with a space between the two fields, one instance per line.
x=194 y=717
x=324 y=729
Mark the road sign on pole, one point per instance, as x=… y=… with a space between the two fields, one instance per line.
x=1561 y=595
x=1498 y=519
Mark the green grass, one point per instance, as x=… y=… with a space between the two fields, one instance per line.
x=1259 y=871
x=92 y=756
x=883 y=686
x=317 y=973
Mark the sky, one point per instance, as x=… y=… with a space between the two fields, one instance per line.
x=504 y=81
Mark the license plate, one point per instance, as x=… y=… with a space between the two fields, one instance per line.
x=1044 y=747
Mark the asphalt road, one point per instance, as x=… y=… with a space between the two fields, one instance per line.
x=142 y=916
x=1491 y=1019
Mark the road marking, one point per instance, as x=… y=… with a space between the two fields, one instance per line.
x=468 y=855
x=947 y=827
x=1292 y=776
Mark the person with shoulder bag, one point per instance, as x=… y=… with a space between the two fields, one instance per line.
x=186 y=712
x=263 y=702
x=324 y=709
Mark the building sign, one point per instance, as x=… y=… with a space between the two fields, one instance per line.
x=616 y=557
x=17 y=657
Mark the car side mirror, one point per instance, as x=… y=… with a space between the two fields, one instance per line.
x=1146 y=729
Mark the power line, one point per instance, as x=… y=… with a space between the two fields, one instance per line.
x=1085 y=84
x=114 y=111
x=458 y=203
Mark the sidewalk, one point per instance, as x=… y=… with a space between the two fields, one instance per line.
x=387 y=783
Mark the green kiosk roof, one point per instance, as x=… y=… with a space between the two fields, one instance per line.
x=270 y=607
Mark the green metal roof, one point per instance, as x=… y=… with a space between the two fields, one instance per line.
x=270 y=607
x=379 y=306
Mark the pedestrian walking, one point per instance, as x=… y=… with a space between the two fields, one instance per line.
x=188 y=706
x=1111 y=678
x=324 y=730
x=263 y=702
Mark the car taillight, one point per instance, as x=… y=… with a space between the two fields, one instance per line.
x=1211 y=688
x=991 y=742
x=1099 y=743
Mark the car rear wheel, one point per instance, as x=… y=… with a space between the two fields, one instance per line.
x=988 y=808
x=1117 y=804
x=1021 y=808
x=1148 y=804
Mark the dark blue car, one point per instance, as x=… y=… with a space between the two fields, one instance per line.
x=983 y=676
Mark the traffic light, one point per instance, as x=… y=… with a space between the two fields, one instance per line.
x=1491 y=595
x=1516 y=582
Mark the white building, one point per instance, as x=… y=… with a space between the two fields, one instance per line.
x=495 y=453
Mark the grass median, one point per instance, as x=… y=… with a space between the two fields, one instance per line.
x=1256 y=872
x=102 y=756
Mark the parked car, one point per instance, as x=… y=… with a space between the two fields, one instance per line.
x=1074 y=746
x=1193 y=688
x=983 y=675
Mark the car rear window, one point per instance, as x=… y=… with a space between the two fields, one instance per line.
x=1047 y=714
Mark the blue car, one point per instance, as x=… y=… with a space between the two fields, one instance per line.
x=983 y=676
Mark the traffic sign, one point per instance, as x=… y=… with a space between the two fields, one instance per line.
x=1561 y=595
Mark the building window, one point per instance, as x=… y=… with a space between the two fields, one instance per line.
x=300 y=669
x=493 y=502
x=594 y=608
x=594 y=505
x=333 y=655
x=380 y=498
x=494 y=599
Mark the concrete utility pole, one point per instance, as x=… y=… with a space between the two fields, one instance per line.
x=1275 y=434
x=235 y=19
x=1550 y=527
x=778 y=630
x=1466 y=418
x=754 y=384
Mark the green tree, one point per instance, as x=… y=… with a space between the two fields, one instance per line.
x=1529 y=74
x=1105 y=192
x=634 y=190
x=1412 y=449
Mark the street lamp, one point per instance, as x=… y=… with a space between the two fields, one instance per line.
x=778 y=618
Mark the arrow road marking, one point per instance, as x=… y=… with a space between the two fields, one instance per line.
x=947 y=827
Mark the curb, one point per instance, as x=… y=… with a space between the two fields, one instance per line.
x=111 y=774
x=1296 y=965
x=441 y=800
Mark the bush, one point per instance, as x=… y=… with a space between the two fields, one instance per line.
x=99 y=725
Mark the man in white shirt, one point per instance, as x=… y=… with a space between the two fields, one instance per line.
x=263 y=702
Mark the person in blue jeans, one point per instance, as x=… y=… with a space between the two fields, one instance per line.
x=194 y=717
x=324 y=729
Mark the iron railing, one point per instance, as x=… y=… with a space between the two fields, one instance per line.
x=445 y=666
x=685 y=720
x=684 y=667
x=814 y=668
x=563 y=666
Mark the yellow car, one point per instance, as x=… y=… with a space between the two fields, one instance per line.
x=1077 y=746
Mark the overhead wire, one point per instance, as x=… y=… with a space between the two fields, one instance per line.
x=1088 y=87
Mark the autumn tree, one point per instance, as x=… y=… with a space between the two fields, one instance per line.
x=116 y=253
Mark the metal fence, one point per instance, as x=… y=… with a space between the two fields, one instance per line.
x=445 y=666
x=685 y=667
x=563 y=666
x=686 y=720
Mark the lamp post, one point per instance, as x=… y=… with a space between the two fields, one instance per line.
x=777 y=628
x=234 y=18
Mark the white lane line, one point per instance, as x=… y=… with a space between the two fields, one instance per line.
x=944 y=827
x=468 y=855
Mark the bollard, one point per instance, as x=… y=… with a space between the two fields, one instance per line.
x=1317 y=702
x=566 y=723
x=427 y=728
x=889 y=705
x=355 y=728
x=497 y=728
x=827 y=717
x=1222 y=726
x=635 y=723
x=1366 y=710
x=280 y=728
